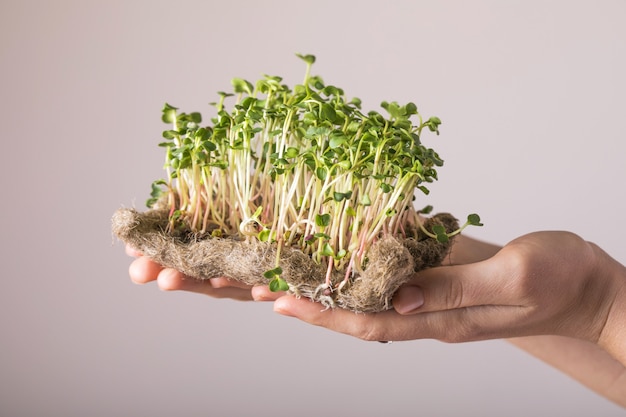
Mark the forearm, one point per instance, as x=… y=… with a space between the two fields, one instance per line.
x=584 y=361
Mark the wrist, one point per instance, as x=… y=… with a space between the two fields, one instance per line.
x=612 y=336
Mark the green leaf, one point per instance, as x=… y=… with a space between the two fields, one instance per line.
x=278 y=284
x=317 y=81
x=345 y=164
x=423 y=189
x=328 y=112
x=203 y=133
x=433 y=124
x=443 y=238
x=330 y=90
x=440 y=231
x=241 y=86
x=337 y=196
x=321 y=173
x=321 y=236
x=264 y=235
x=353 y=126
x=275 y=285
x=155 y=193
x=322 y=220
x=474 y=220
x=272 y=273
x=282 y=163
x=195 y=117
x=282 y=285
x=169 y=113
x=220 y=164
x=177 y=214
x=327 y=250
x=170 y=134
x=337 y=140
x=385 y=187
x=291 y=152
x=426 y=210
x=309 y=59
x=209 y=146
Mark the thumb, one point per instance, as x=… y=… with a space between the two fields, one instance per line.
x=449 y=288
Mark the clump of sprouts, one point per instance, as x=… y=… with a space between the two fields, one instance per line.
x=302 y=168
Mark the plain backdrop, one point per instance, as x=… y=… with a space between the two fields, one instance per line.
x=532 y=97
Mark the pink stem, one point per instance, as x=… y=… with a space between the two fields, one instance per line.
x=329 y=270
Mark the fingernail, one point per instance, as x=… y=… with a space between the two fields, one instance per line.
x=408 y=299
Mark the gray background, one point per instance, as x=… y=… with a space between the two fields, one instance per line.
x=532 y=96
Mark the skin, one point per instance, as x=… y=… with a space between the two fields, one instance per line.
x=552 y=294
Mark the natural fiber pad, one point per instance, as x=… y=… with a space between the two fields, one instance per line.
x=392 y=261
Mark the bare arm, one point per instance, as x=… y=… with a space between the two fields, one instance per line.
x=582 y=360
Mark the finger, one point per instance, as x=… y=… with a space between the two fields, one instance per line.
x=372 y=327
x=460 y=325
x=454 y=287
x=227 y=282
x=142 y=270
x=263 y=293
x=172 y=280
x=408 y=299
x=130 y=251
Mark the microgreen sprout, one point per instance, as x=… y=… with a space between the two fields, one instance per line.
x=304 y=168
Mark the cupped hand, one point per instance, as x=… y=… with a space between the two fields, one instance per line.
x=143 y=270
x=541 y=283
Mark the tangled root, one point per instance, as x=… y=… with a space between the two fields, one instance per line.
x=391 y=261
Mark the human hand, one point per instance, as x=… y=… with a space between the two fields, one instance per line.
x=143 y=270
x=541 y=283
